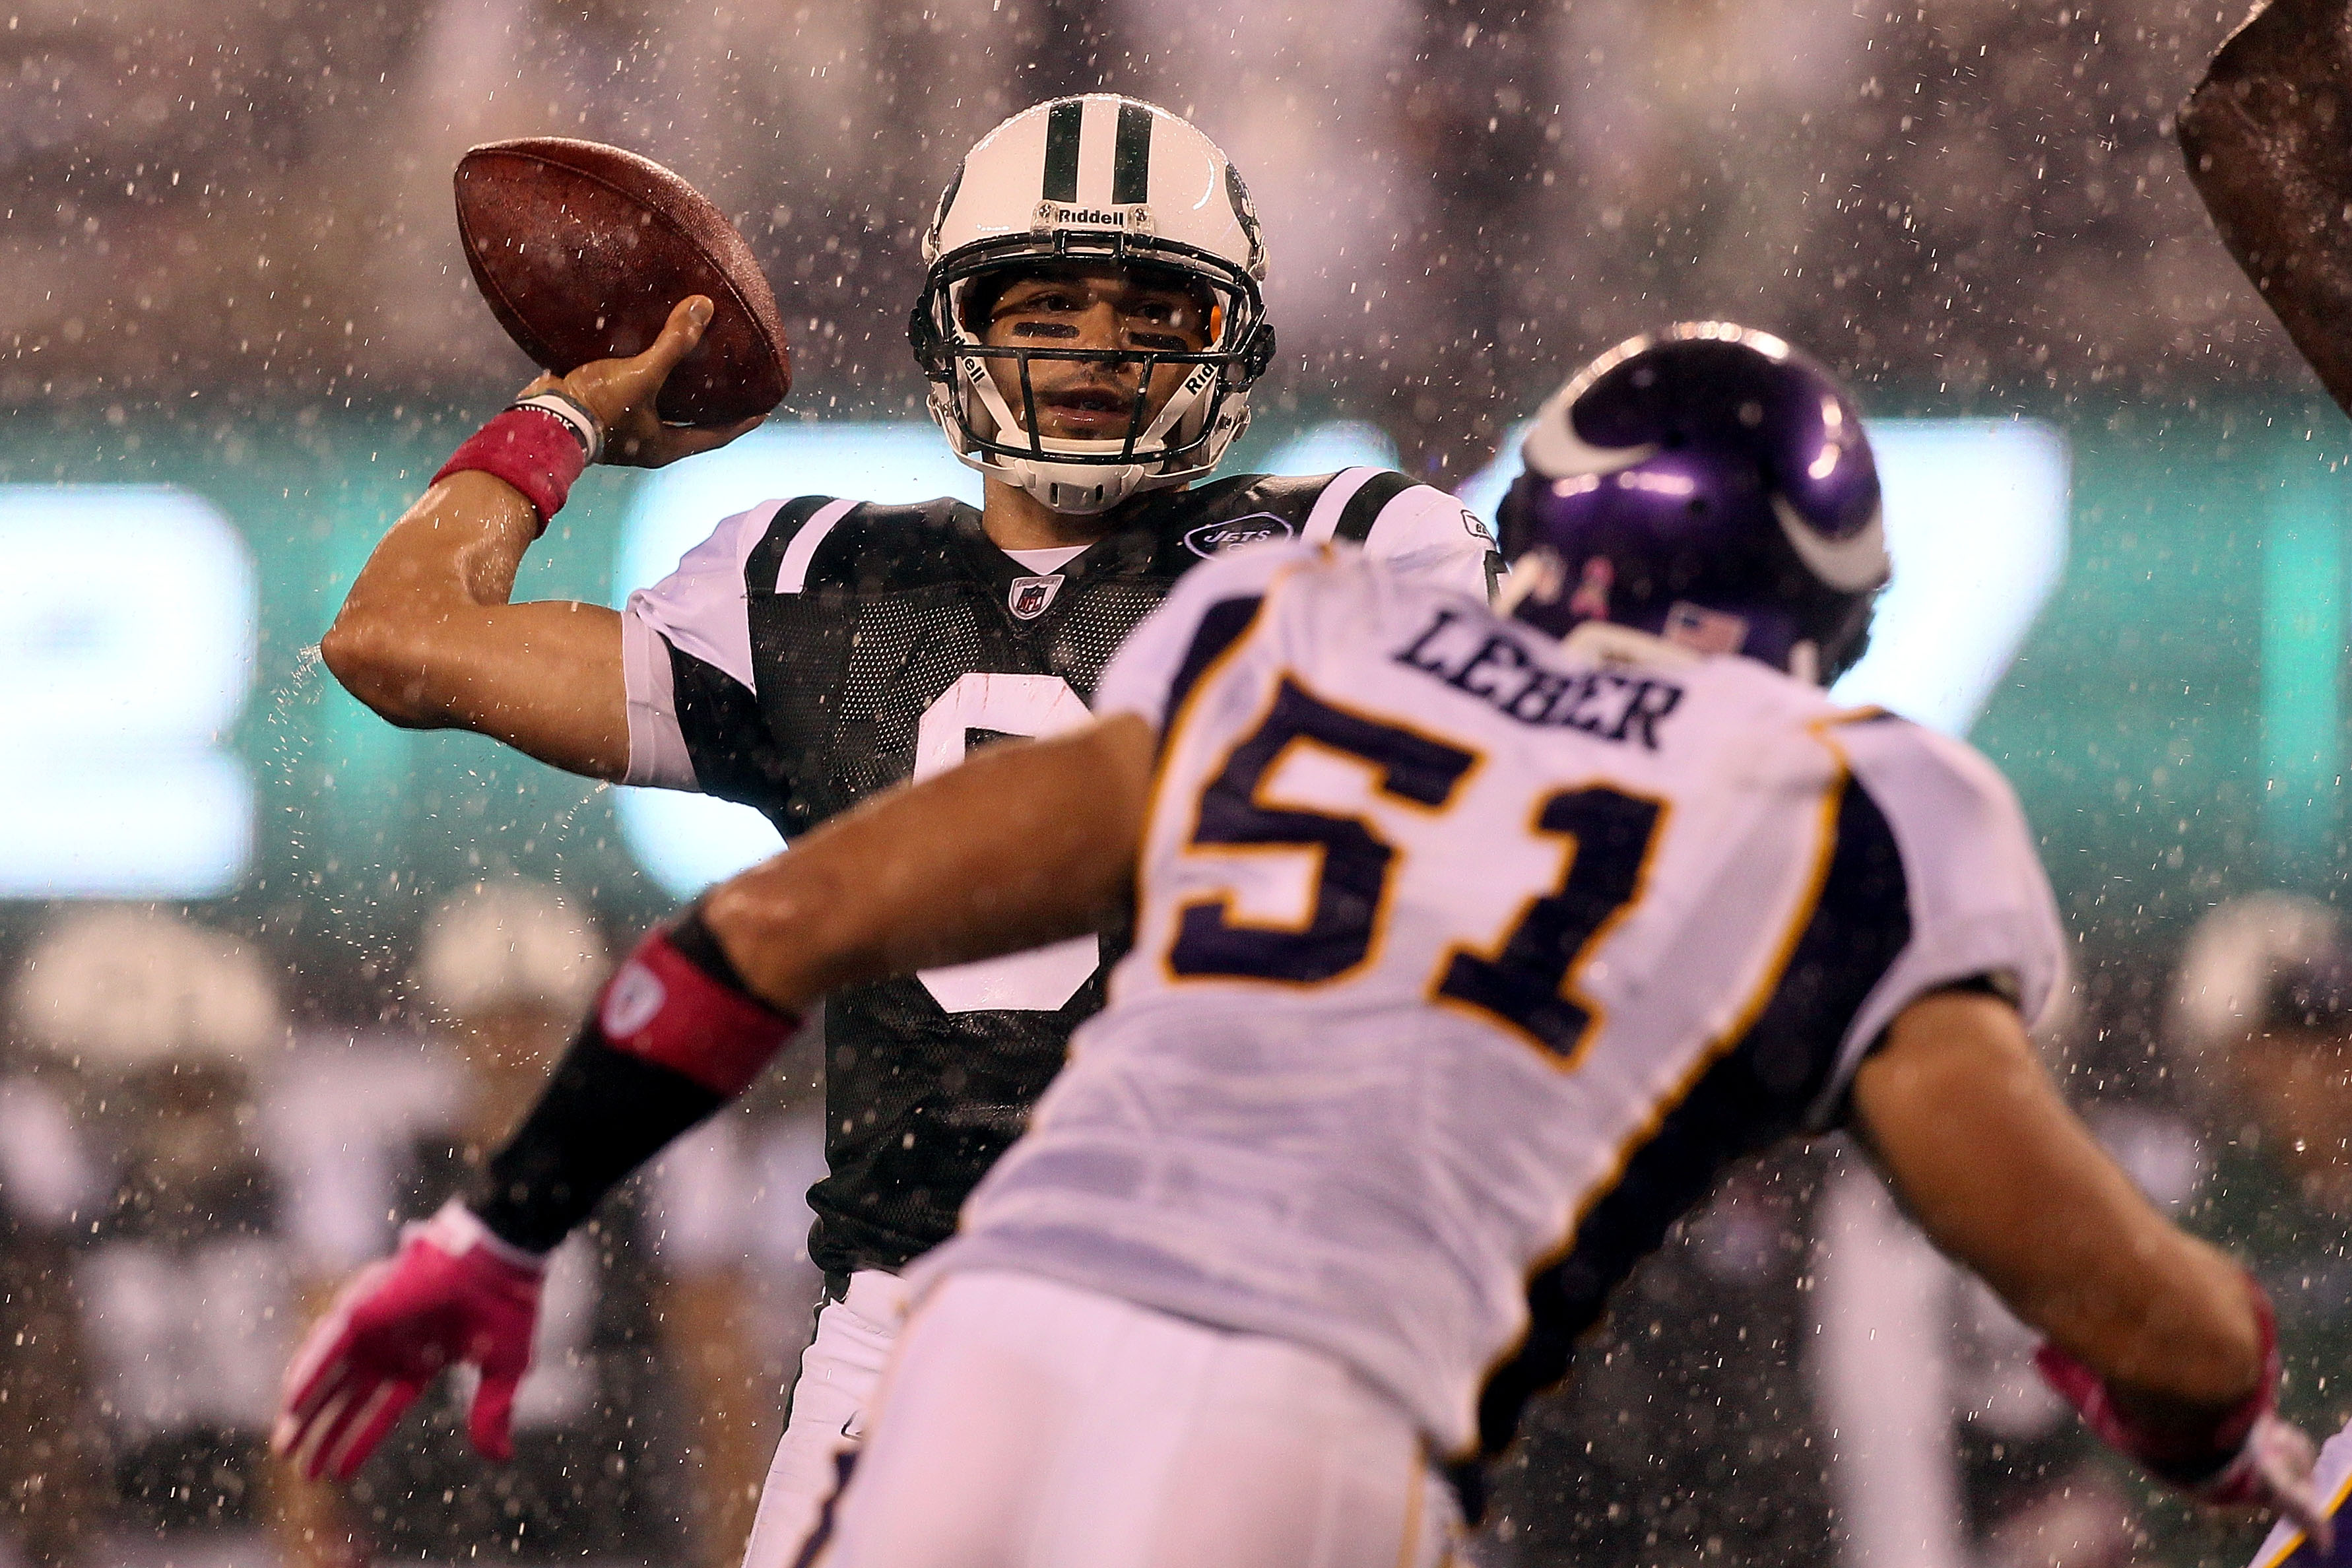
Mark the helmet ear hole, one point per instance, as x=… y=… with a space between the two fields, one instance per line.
x=923 y=336
x=1259 y=355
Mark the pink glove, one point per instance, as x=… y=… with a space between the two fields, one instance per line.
x=454 y=1292
x=2252 y=1457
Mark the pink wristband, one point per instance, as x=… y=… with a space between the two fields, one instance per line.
x=533 y=450
x=2187 y=1461
x=662 y=1008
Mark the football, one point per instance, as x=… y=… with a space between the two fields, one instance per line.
x=2264 y=136
x=582 y=250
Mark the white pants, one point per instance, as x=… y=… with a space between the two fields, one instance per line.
x=1028 y=1425
x=839 y=1372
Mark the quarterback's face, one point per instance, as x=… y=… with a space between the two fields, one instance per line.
x=1093 y=307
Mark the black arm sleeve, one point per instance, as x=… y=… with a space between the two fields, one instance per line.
x=603 y=1114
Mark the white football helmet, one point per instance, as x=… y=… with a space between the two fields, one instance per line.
x=120 y=989
x=510 y=944
x=2236 y=961
x=1098 y=178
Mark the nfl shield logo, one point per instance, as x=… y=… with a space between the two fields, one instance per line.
x=1030 y=595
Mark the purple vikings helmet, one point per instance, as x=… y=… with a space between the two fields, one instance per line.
x=1709 y=485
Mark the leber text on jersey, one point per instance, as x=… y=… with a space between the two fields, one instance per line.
x=1472 y=655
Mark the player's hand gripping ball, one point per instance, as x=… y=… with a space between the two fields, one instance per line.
x=585 y=252
x=453 y=1294
x=622 y=396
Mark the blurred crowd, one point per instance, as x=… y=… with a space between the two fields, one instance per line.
x=185 y=1178
x=1795 y=1380
x=244 y=205
x=235 y=214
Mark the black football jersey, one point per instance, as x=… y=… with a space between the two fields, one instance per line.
x=818 y=650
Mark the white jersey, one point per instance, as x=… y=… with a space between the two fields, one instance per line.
x=1465 y=961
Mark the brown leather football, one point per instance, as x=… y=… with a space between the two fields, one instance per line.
x=2264 y=136
x=583 y=250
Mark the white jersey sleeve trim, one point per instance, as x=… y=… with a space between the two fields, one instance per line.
x=792 y=576
x=1980 y=901
x=1323 y=518
x=1430 y=535
x=701 y=609
x=657 y=754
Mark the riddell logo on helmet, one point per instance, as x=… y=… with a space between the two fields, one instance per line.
x=1137 y=219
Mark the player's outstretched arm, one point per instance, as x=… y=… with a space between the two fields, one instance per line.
x=426 y=636
x=2264 y=133
x=1026 y=843
x=2161 y=1340
x=427 y=640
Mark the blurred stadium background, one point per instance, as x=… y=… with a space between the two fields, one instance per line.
x=235 y=334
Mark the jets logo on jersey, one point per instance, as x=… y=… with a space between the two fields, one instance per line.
x=1216 y=538
x=1028 y=596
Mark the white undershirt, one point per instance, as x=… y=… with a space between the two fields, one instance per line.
x=1044 y=561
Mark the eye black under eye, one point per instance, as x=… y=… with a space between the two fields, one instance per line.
x=1043 y=330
